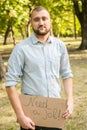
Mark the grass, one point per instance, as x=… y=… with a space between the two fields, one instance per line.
x=78 y=121
x=79 y=67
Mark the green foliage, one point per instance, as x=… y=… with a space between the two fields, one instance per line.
x=17 y=13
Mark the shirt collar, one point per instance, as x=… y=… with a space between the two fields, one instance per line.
x=35 y=40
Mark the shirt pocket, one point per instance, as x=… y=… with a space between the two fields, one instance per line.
x=54 y=65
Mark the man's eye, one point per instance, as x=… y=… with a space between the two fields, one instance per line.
x=36 y=19
x=44 y=18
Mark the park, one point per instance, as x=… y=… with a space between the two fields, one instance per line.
x=68 y=24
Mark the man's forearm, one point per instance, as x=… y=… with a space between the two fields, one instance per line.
x=15 y=101
x=24 y=121
x=69 y=94
x=68 y=86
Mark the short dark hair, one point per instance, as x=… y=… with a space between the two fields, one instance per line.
x=38 y=8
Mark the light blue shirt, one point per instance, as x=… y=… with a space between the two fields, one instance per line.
x=39 y=65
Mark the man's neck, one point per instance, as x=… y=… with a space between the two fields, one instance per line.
x=42 y=38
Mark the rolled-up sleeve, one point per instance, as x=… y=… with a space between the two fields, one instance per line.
x=65 y=69
x=15 y=67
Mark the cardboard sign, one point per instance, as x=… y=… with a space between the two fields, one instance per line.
x=46 y=112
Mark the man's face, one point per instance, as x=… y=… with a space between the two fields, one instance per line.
x=40 y=22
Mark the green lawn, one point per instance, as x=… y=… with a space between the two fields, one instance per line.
x=78 y=121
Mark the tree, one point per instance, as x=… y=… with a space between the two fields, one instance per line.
x=80 y=7
x=6 y=20
x=15 y=17
x=2 y=69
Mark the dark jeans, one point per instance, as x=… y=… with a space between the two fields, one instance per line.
x=43 y=128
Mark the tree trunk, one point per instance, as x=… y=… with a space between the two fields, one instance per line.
x=28 y=24
x=6 y=35
x=83 y=44
x=27 y=29
x=2 y=69
x=82 y=17
x=84 y=26
x=13 y=36
x=9 y=29
x=75 y=36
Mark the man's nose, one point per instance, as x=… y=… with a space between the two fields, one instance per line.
x=41 y=22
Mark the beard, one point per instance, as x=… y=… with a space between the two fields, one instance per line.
x=42 y=33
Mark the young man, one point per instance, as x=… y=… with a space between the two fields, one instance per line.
x=39 y=61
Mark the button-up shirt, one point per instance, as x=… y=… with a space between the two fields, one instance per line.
x=39 y=65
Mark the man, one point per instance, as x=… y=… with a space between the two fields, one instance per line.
x=38 y=61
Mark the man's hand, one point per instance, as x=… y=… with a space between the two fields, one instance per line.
x=69 y=109
x=26 y=123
